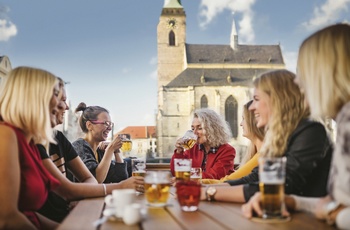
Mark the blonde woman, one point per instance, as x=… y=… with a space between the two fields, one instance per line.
x=28 y=105
x=250 y=159
x=278 y=106
x=324 y=76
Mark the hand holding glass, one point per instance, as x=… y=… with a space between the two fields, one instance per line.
x=189 y=139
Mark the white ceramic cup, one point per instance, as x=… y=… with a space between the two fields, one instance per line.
x=119 y=199
x=132 y=214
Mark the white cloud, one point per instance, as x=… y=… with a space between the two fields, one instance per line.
x=7 y=30
x=327 y=13
x=209 y=9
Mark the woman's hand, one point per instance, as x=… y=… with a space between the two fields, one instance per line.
x=253 y=206
x=135 y=182
x=178 y=146
x=115 y=144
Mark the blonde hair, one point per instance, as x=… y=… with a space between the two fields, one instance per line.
x=24 y=102
x=324 y=69
x=253 y=130
x=287 y=109
x=215 y=128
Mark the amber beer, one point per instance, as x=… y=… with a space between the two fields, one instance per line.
x=182 y=169
x=272 y=199
x=157 y=187
x=272 y=172
x=182 y=175
x=157 y=194
x=139 y=173
x=187 y=144
x=127 y=145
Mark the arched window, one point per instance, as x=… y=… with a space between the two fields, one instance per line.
x=171 y=38
x=231 y=116
x=204 y=102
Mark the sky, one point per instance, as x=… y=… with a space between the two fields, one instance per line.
x=106 y=50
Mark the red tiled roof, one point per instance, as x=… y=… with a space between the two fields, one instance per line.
x=139 y=132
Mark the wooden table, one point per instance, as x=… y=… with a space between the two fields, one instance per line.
x=211 y=215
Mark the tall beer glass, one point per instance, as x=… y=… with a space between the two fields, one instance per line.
x=182 y=169
x=272 y=171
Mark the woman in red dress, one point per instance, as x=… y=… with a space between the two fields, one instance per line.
x=28 y=104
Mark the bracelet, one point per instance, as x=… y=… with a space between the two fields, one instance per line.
x=104 y=189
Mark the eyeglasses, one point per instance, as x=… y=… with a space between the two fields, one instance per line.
x=106 y=123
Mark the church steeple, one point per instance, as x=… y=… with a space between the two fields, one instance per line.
x=172 y=4
x=234 y=35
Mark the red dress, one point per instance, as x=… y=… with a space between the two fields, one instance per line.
x=35 y=180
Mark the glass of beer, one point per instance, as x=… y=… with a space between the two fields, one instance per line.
x=138 y=166
x=182 y=168
x=157 y=187
x=196 y=174
x=189 y=139
x=272 y=173
x=127 y=144
x=188 y=195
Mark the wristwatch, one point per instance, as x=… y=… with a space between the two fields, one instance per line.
x=210 y=193
x=330 y=207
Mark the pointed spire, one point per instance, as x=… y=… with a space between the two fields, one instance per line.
x=234 y=35
x=172 y=4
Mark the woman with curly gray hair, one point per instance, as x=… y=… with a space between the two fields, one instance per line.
x=211 y=152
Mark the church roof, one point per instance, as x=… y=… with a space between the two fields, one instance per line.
x=244 y=54
x=139 y=132
x=216 y=77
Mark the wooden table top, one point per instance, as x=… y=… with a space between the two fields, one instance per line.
x=210 y=215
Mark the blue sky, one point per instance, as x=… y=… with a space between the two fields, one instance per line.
x=107 y=49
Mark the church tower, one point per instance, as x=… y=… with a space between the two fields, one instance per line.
x=171 y=38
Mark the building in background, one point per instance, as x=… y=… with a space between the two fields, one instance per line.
x=5 y=67
x=143 y=139
x=193 y=76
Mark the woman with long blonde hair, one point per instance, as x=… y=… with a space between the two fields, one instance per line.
x=28 y=104
x=250 y=159
x=324 y=76
x=278 y=106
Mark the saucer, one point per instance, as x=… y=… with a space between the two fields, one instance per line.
x=109 y=213
x=273 y=221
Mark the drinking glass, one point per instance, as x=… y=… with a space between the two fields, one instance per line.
x=188 y=195
x=182 y=168
x=188 y=139
x=196 y=174
x=157 y=188
x=138 y=166
x=127 y=144
x=272 y=173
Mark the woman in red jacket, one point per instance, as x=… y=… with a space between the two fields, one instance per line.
x=211 y=152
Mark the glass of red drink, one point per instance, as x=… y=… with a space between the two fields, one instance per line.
x=188 y=194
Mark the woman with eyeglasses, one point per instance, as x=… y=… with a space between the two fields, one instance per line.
x=96 y=123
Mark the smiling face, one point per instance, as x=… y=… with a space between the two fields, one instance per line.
x=261 y=108
x=62 y=107
x=53 y=105
x=100 y=131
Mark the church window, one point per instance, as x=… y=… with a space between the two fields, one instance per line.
x=204 y=102
x=171 y=38
x=231 y=110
